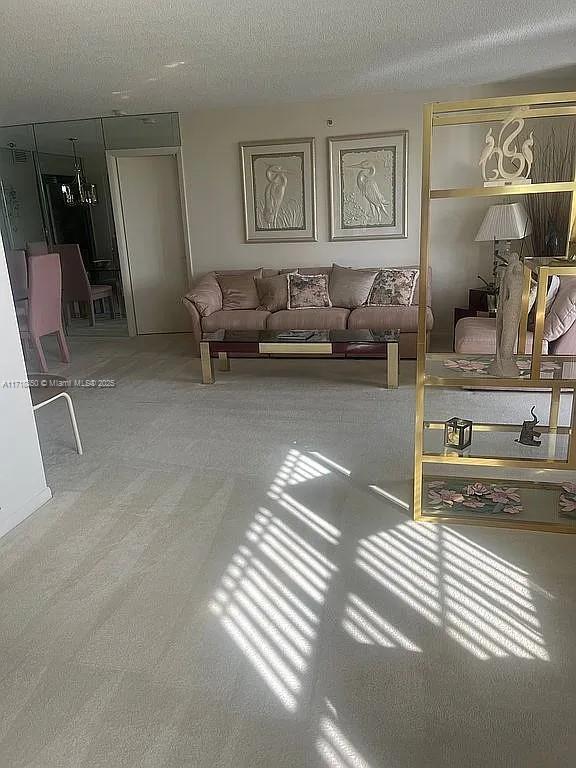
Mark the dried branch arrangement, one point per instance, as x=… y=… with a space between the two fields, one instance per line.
x=554 y=160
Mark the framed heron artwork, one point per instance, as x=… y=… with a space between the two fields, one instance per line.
x=279 y=190
x=368 y=186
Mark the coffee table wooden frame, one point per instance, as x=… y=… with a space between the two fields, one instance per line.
x=222 y=348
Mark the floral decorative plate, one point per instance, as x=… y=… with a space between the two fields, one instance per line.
x=568 y=500
x=480 y=365
x=486 y=499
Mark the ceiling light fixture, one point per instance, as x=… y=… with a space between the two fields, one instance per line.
x=80 y=191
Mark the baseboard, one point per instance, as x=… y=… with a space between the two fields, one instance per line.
x=24 y=511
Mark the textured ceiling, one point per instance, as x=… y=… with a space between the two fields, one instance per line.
x=75 y=58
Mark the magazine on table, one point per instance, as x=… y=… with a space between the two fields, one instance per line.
x=295 y=335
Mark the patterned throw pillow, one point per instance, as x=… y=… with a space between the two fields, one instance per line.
x=394 y=287
x=308 y=292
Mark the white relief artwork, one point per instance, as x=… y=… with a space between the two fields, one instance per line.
x=367 y=185
x=279 y=192
x=511 y=164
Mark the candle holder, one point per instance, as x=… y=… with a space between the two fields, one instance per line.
x=457 y=433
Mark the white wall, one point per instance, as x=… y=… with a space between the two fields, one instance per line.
x=212 y=167
x=211 y=157
x=22 y=481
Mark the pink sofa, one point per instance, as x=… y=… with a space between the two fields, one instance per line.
x=331 y=318
x=477 y=335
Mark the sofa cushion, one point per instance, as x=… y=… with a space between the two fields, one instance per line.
x=562 y=313
x=327 y=318
x=273 y=292
x=206 y=295
x=394 y=287
x=308 y=291
x=350 y=287
x=239 y=291
x=477 y=336
x=383 y=318
x=236 y=320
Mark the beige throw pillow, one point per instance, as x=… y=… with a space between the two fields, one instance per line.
x=350 y=287
x=308 y=292
x=553 y=287
x=239 y=291
x=206 y=295
x=273 y=292
x=562 y=314
x=394 y=287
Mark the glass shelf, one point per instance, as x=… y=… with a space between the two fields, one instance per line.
x=460 y=370
x=494 y=442
x=544 y=506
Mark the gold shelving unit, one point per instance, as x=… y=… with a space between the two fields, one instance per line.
x=541 y=509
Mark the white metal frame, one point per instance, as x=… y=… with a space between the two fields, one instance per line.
x=70 y=405
x=112 y=156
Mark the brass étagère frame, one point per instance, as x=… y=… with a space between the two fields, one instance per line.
x=481 y=111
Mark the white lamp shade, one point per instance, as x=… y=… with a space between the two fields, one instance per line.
x=505 y=222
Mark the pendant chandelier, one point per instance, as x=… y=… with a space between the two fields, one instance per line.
x=80 y=191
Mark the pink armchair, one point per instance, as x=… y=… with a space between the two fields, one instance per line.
x=477 y=335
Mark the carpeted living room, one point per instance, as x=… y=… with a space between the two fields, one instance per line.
x=287 y=387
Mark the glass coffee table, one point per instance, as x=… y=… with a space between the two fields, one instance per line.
x=341 y=344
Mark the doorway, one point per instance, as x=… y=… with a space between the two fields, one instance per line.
x=151 y=223
x=65 y=149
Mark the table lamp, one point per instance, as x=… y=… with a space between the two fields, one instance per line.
x=502 y=224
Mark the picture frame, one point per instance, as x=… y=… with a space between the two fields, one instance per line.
x=279 y=190
x=368 y=186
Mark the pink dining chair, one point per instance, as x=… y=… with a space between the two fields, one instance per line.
x=45 y=304
x=75 y=283
x=37 y=248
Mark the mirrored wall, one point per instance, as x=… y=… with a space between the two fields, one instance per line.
x=54 y=190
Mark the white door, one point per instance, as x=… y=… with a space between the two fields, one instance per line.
x=152 y=213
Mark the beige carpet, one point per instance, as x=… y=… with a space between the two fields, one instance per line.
x=229 y=578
